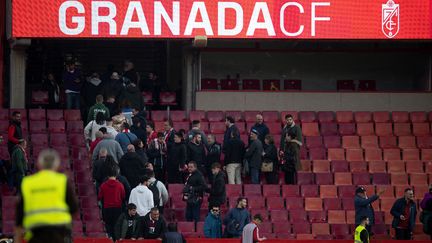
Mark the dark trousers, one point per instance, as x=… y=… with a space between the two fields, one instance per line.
x=51 y=234
x=110 y=216
x=73 y=100
x=193 y=212
x=290 y=177
x=255 y=175
x=403 y=234
x=159 y=173
x=271 y=177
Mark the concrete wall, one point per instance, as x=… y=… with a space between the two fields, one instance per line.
x=313 y=101
x=320 y=70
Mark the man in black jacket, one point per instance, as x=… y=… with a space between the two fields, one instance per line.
x=213 y=155
x=217 y=191
x=193 y=192
x=254 y=156
x=196 y=152
x=231 y=127
x=127 y=224
x=404 y=212
x=152 y=226
x=234 y=153
x=132 y=166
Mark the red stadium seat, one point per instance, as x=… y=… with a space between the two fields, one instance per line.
x=424 y=142
x=271 y=116
x=339 y=166
x=361 y=178
x=271 y=84
x=233 y=190
x=426 y=154
x=74 y=127
x=309 y=191
x=340 y=230
x=344 y=116
x=388 y=142
x=307 y=116
x=314 y=142
x=217 y=127
x=348 y=204
x=281 y=227
x=55 y=115
x=399 y=179
x=290 y=191
x=305 y=178
x=255 y=202
x=396 y=166
x=313 y=204
x=310 y=129
x=380 y=179
x=336 y=154
x=400 y=116
x=402 y=129
x=383 y=129
x=414 y=167
x=346 y=191
x=72 y=115
x=317 y=153
x=418 y=179
x=301 y=228
x=362 y=117
x=250 y=116
x=345 y=85
x=76 y=140
x=39 y=140
x=37 y=114
x=321 y=166
x=294 y=203
x=148 y=98
x=418 y=116
x=186 y=227
x=317 y=216
x=329 y=129
x=275 y=203
x=181 y=125
x=386 y=204
x=252 y=190
x=392 y=154
x=377 y=167
x=271 y=190
x=347 y=129
x=324 y=178
x=421 y=129
x=58 y=139
x=39 y=97
x=38 y=127
x=274 y=127
x=4 y=114
x=209 y=84
x=328 y=191
x=358 y=166
x=215 y=116
x=251 y=84
x=237 y=115
x=279 y=216
x=332 y=203
x=178 y=116
x=325 y=116
x=336 y=217
x=350 y=142
x=343 y=178
x=88 y=202
x=229 y=84
x=168 y=99
x=320 y=229
x=56 y=126
x=94 y=226
x=407 y=142
x=354 y=155
x=332 y=141
x=411 y=154
x=381 y=116
x=292 y=84
x=367 y=85
x=306 y=165
x=365 y=129
x=197 y=115
x=373 y=154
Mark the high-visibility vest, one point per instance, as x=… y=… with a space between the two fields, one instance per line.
x=44 y=195
x=357 y=232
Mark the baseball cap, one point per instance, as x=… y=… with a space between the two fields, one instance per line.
x=255 y=131
x=360 y=190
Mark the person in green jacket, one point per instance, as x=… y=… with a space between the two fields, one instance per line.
x=96 y=108
x=126 y=227
x=19 y=163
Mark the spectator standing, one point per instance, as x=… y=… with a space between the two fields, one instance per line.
x=196 y=129
x=94 y=126
x=196 y=152
x=176 y=160
x=231 y=127
x=37 y=215
x=217 y=191
x=251 y=231
x=142 y=197
x=112 y=90
x=169 y=133
x=271 y=156
x=193 y=192
x=141 y=115
x=261 y=127
x=125 y=137
x=295 y=135
x=127 y=224
x=140 y=150
x=19 y=163
x=99 y=107
x=404 y=213
x=97 y=174
x=132 y=166
x=234 y=155
x=112 y=195
x=162 y=196
x=361 y=234
x=130 y=75
x=213 y=223
x=151 y=134
x=14 y=131
x=363 y=207
x=172 y=236
x=157 y=153
x=427 y=198
x=138 y=130
x=291 y=158
x=111 y=145
x=72 y=84
x=254 y=156
x=426 y=215
x=213 y=155
x=99 y=137
x=132 y=95
x=91 y=88
x=51 y=85
x=152 y=226
x=110 y=129
x=236 y=219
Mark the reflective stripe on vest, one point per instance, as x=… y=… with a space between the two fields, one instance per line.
x=44 y=195
x=357 y=232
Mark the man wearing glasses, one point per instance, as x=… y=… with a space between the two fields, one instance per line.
x=213 y=223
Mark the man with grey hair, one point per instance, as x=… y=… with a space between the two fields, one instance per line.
x=112 y=146
x=46 y=203
x=132 y=166
x=261 y=127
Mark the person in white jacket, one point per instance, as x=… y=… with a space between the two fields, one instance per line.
x=94 y=126
x=142 y=197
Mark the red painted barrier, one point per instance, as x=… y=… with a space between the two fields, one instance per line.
x=202 y=240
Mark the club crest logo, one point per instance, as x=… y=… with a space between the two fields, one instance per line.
x=390 y=19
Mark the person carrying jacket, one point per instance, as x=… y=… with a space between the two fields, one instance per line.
x=213 y=223
x=404 y=212
x=363 y=207
x=127 y=224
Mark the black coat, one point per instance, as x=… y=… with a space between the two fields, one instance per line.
x=132 y=167
x=213 y=155
x=217 y=191
x=234 y=151
x=271 y=155
x=140 y=132
x=197 y=183
x=176 y=156
x=145 y=231
x=196 y=152
x=227 y=134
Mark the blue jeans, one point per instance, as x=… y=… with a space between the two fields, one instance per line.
x=255 y=175
x=73 y=100
x=193 y=212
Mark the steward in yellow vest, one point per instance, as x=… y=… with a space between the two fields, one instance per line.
x=46 y=204
x=361 y=235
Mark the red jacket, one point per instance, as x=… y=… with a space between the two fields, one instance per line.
x=112 y=193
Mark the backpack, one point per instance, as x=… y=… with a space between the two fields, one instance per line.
x=156 y=196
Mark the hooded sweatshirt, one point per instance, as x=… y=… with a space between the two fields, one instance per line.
x=112 y=193
x=96 y=109
x=142 y=197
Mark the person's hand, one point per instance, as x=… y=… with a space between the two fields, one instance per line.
x=159 y=239
x=77 y=80
x=140 y=238
x=133 y=238
x=381 y=192
x=224 y=168
x=402 y=217
x=263 y=238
